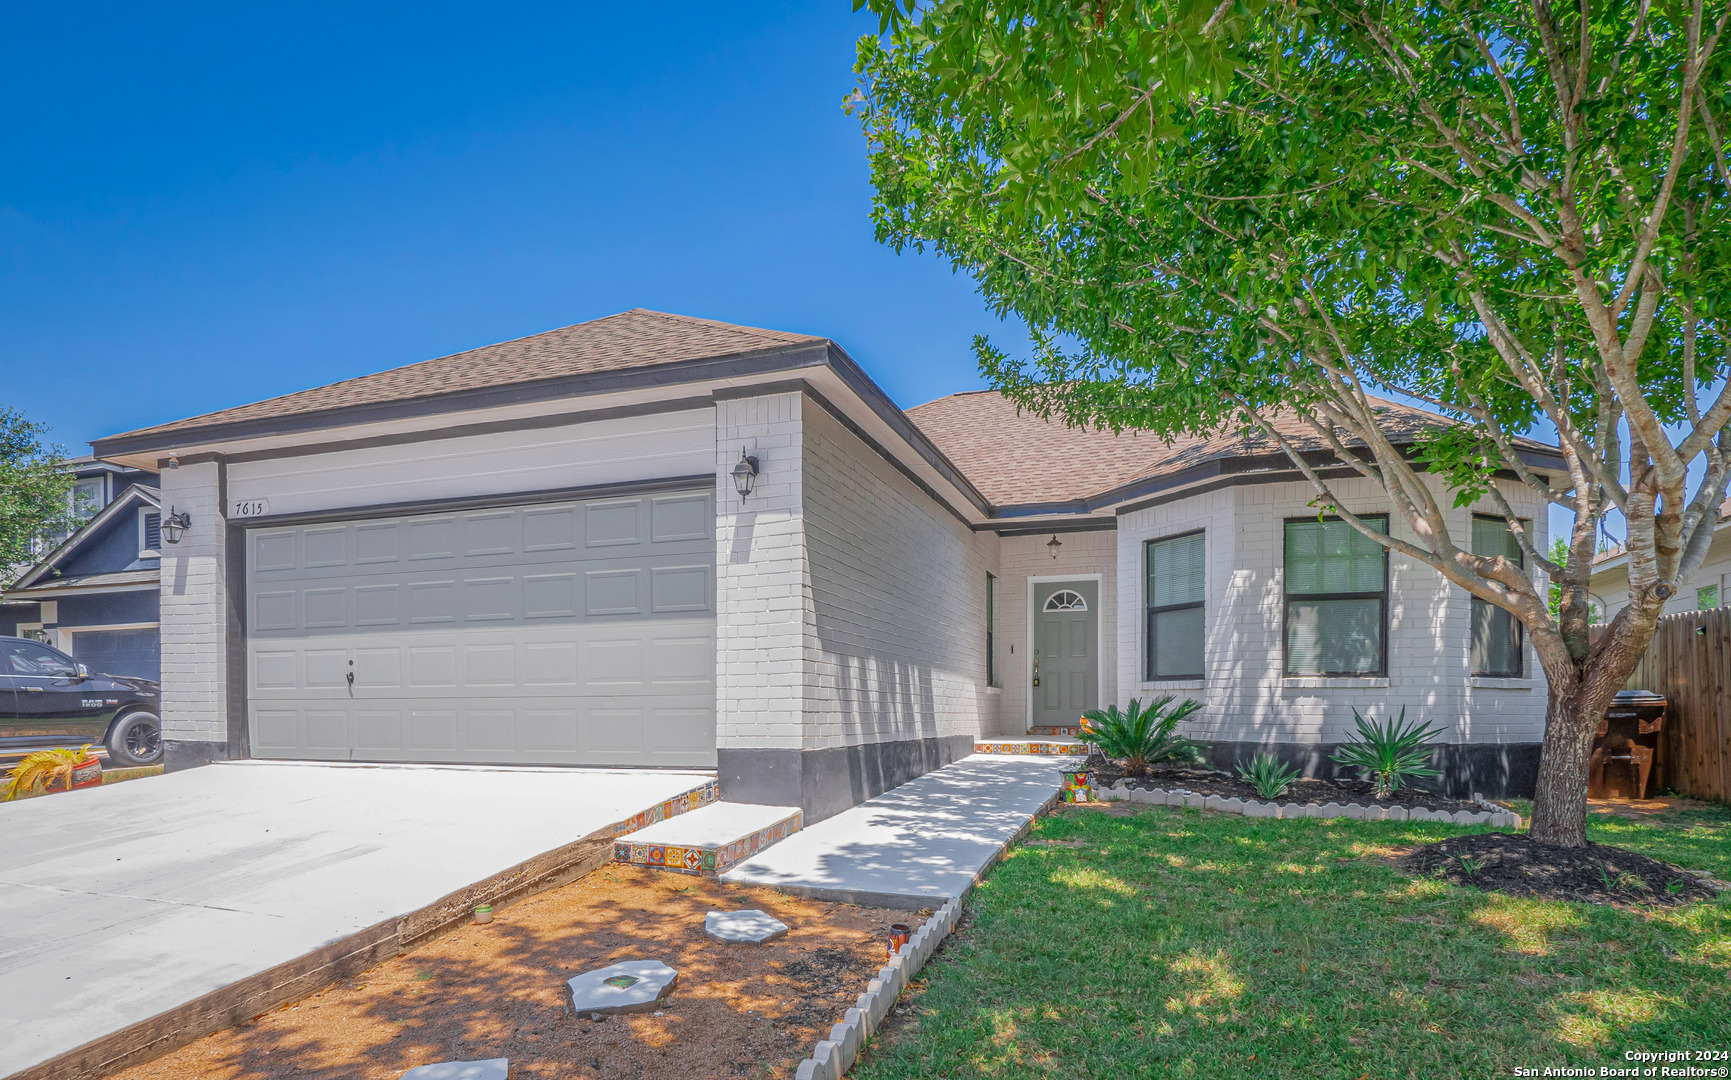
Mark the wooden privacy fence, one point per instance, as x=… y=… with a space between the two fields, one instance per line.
x=1689 y=662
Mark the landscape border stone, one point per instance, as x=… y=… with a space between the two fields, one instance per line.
x=1488 y=814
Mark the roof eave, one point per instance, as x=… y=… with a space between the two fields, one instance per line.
x=757 y=361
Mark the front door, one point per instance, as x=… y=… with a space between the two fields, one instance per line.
x=1066 y=651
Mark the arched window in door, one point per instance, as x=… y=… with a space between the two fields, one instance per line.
x=1065 y=600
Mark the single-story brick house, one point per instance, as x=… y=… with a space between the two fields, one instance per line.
x=538 y=552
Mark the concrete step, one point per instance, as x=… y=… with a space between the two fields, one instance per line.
x=710 y=839
x=1032 y=745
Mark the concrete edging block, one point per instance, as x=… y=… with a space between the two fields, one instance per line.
x=1332 y=810
x=1193 y=799
x=847 y=1038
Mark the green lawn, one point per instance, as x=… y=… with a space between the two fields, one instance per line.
x=1147 y=942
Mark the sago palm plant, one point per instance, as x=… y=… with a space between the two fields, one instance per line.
x=1391 y=751
x=1267 y=775
x=42 y=770
x=1141 y=737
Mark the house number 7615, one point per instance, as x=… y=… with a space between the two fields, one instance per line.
x=247 y=508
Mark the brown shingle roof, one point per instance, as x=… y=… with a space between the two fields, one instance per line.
x=633 y=339
x=1020 y=459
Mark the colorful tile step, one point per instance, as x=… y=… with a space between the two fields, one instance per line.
x=1040 y=747
x=1072 y=732
x=695 y=799
x=710 y=839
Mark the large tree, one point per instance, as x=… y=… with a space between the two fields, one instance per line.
x=1214 y=215
x=34 y=485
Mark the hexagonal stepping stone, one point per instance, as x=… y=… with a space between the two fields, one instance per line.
x=634 y=986
x=490 y=1069
x=749 y=927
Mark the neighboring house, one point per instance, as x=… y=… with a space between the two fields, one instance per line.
x=1709 y=587
x=94 y=593
x=538 y=552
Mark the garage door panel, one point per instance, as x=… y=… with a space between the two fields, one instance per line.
x=613 y=524
x=567 y=633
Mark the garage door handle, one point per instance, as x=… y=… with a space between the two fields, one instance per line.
x=351 y=678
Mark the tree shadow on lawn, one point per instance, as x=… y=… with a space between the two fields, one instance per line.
x=499 y=991
x=1162 y=942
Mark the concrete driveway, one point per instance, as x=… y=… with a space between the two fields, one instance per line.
x=121 y=902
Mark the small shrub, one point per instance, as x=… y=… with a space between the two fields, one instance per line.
x=1267 y=775
x=1141 y=737
x=1392 y=752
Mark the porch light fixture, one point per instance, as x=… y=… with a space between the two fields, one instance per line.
x=173 y=460
x=175 y=525
x=745 y=474
x=1054 y=544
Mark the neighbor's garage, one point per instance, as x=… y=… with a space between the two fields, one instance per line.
x=560 y=633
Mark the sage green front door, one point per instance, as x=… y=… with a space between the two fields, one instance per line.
x=1066 y=651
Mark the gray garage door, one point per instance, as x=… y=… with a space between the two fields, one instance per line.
x=567 y=633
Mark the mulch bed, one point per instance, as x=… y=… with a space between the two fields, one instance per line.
x=1595 y=874
x=738 y=1011
x=1303 y=790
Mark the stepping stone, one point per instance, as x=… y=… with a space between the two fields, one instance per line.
x=490 y=1069
x=634 y=986
x=749 y=927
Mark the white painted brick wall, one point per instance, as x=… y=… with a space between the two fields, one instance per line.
x=1025 y=557
x=762 y=586
x=898 y=587
x=1245 y=694
x=194 y=610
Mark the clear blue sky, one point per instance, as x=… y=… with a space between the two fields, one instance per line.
x=207 y=206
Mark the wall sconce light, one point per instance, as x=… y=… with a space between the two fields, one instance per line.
x=745 y=474
x=1054 y=544
x=174 y=526
x=173 y=460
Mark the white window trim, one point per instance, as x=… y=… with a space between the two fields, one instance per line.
x=1027 y=677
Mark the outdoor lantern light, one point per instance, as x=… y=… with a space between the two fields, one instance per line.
x=1054 y=543
x=174 y=525
x=745 y=474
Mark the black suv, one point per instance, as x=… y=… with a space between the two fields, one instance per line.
x=49 y=699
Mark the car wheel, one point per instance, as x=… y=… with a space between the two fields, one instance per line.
x=135 y=739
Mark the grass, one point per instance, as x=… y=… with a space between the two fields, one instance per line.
x=1148 y=942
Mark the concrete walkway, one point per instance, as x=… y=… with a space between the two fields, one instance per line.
x=917 y=845
x=121 y=902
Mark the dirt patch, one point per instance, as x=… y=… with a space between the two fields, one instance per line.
x=738 y=1011
x=1595 y=874
x=1303 y=790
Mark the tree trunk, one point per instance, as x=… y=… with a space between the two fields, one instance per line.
x=1560 y=799
x=1577 y=702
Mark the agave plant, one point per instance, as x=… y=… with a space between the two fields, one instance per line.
x=1267 y=775
x=1141 y=737
x=1391 y=751
x=42 y=770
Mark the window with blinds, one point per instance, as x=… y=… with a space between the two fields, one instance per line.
x=1175 y=591
x=1497 y=637
x=1336 y=598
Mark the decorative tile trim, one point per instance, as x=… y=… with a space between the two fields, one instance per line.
x=1041 y=747
x=697 y=797
x=1497 y=817
x=1046 y=732
x=705 y=860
